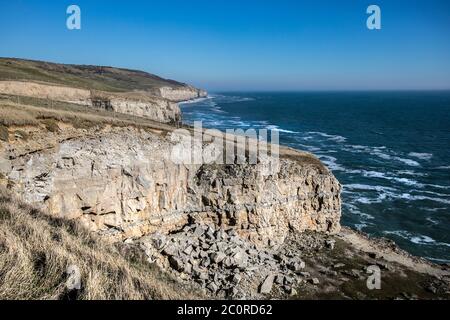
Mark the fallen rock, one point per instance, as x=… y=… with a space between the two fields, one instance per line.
x=330 y=243
x=267 y=284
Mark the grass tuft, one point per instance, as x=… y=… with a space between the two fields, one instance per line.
x=36 y=251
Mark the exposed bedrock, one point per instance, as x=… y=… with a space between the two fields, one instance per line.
x=181 y=93
x=121 y=183
x=144 y=104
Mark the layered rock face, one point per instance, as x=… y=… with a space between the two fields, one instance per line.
x=122 y=183
x=156 y=108
x=181 y=93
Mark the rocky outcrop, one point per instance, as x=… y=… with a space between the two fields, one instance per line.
x=179 y=94
x=122 y=183
x=138 y=104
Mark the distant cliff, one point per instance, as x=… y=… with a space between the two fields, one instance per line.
x=120 y=90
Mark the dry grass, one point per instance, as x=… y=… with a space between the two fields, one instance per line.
x=36 y=250
x=34 y=111
x=14 y=116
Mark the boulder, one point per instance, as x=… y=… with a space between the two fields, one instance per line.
x=266 y=285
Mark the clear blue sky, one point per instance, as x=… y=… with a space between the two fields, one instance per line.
x=243 y=45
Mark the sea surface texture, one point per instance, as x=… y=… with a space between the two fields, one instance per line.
x=389 y=150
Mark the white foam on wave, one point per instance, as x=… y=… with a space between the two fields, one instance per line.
x=422 y=156
x=411 y=173
x=331 y=137
x=432 y=209
x=197 y=100
x=422 y=240
x=330 y=162
x=431 y=192
x=416 y=239
x=277 y=128
x=367 y=187
x=433 y=221
x=355 y=210
x=408 y=162
x=360 y=226
x=438 y=260
x=410 y=197
x=388 y=193
x=437 y=186
x=383 y=153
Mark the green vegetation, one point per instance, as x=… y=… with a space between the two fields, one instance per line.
x=82 y=76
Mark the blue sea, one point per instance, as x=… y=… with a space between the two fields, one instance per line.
x=389 y=150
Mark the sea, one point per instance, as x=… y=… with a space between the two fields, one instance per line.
x=389 y=150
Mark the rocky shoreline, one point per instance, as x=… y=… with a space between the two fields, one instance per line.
x=308 y=265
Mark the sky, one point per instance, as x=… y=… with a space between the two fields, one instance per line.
x=243 y=45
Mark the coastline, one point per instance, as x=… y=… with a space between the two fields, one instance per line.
x=228 y=231
x=368 y=189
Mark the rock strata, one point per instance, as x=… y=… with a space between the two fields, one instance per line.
x=122 y=183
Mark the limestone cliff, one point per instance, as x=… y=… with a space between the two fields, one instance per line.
x=181 y=94
x=121 y=90
x=134 y=103
x=122 y=183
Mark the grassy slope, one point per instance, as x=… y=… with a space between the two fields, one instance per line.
x=36 y=250
x=82 y=76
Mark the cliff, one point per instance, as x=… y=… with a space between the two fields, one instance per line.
x=120 y=90
x=121 y=182
x=93 y=147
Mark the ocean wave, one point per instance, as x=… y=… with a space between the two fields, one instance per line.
x=277 y=128
x=443 y=167
x=197 y=100
x=355 y=210
x=431 y=192
x=360 y=226
x=437 y=186
x=422 y=156
x=384 y=193
x=331 y=137
x=232 y=99
x=438 y=260
x=416 y=239
x=367 y=187
x=382 y=175
x=330 y=162
x=432 y=221
x=383 y=153
x=432 y=209
x=410 y=197
x=408 y=162
x=411 y=173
